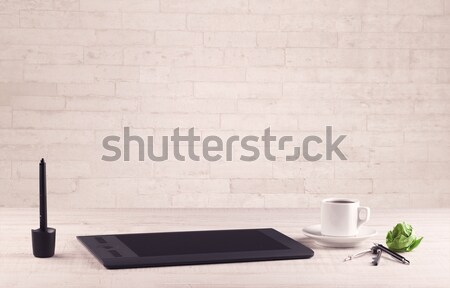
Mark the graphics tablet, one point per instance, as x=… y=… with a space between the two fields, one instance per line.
x=193 y=247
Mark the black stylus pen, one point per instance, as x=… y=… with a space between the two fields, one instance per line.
x=42 y=196
x=393 y=254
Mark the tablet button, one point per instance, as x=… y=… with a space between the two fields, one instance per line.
x=115 y=253
x=100 y=240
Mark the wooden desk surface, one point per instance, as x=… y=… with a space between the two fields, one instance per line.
x=74 y=266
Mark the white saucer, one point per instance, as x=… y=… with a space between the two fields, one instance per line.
x=314 y=232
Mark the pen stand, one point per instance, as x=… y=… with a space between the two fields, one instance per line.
x=43 y=242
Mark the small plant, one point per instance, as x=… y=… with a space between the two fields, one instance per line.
x=402 y=238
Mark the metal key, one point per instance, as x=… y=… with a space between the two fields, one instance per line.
x=377 y=257
x=372 y=250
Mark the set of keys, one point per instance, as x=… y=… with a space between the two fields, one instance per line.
x=377 y=250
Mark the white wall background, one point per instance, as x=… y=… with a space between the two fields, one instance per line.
x=74 y=71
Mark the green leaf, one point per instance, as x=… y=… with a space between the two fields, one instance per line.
x=390 y=237
x=414 y=244
x=407 y=229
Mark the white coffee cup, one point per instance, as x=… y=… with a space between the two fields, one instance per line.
x=342 y=217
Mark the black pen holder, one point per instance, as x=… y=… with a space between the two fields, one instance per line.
x=43 y=242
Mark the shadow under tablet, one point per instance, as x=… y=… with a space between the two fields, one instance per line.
x=193 y=248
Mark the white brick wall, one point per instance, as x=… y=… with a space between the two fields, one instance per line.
x=74 y=71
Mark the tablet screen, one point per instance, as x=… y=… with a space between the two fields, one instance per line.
x=163 y=244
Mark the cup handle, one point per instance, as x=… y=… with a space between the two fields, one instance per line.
x=365 y=219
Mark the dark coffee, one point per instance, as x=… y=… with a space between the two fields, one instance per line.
x=341 y=201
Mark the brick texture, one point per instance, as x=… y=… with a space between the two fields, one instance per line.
x=73 y=72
